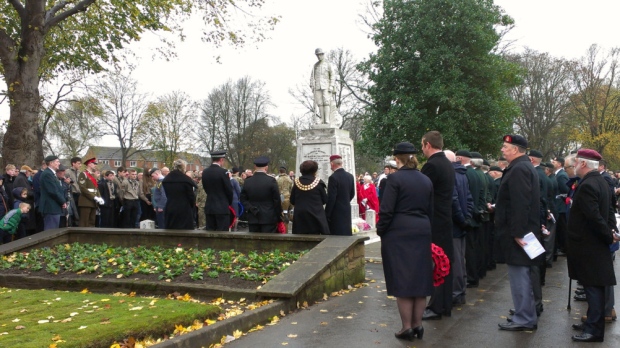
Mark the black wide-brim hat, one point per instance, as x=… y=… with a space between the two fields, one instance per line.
x=404 y=148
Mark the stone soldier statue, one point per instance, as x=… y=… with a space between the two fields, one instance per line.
x=323 y=82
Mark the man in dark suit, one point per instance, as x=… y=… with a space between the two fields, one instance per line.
x=538 y=270
x=560 y=206
x=439 y=169
x=340 y=192
x=219 y=192
x=53 y=200
x=516 y=214
x=592 y=222
x=261 y=198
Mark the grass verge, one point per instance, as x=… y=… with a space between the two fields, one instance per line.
x=43 y=318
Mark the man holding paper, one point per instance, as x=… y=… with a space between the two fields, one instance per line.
x=517 y=214
x=590 y=232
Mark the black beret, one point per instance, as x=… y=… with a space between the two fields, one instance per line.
x=485 y=162
x=235 y=170
x=404 y=148
x=476 y=155
x=463 y=153
x=217 y=154
x=51 y=158
x=515 y=140
x=535 y=153
x=495 y=169
x=559 y=159
x=261 y=161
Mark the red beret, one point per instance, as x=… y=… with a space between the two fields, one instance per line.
x=589 y=154
x=91 y=160
x=334 y=157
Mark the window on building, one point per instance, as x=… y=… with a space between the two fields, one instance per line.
x=117 y=163
x=132 y=163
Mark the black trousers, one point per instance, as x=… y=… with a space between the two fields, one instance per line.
x=130 y=213
x=263 y=228
x=560 y=233
x=595 y=323
x=472 y=254
x=217 y=222
x=108 y=217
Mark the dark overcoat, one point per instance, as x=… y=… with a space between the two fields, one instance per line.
x=476 y=188
x=462 y=204
x=219 y=191
x=181 y=201
x=441 y=172
x=309 y=215
x=560 y=202
x=589 y=233
x=260 y=196
x=340 y=192
x=405 y=229
x=517 y=210
x=52 y=195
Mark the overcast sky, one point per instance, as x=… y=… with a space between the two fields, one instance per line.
x=563 y=28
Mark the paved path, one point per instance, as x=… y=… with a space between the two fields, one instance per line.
x=368 y=318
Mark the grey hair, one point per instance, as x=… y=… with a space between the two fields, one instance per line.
x=338 y=161
x=589 y=163
x=477 y=162
x=179 y=164
x=367 y=178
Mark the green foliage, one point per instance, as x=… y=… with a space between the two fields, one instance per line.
x=436 y=69
x=103 y=260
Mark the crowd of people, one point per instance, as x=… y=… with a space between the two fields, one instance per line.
x=477 y=212
x=482 y=213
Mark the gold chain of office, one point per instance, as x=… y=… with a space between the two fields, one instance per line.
x=307 y=187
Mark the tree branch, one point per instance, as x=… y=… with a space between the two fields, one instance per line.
x=52 y=11
x=19 y=7
x=79 y=7
x=8 y=51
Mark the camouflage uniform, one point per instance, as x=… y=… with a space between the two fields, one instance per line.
x=239 y=179
x=201 y=199
x=285 y=184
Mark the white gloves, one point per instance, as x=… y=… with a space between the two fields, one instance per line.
x=99 y=200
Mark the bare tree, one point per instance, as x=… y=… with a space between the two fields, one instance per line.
x=227 y=113
x=543 y=97
x=75 y=127
x=170 y=120
x=596 y=101
x=122 y=110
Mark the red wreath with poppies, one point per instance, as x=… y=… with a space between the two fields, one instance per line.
x=441 y=264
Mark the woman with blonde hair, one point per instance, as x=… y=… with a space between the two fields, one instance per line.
x=181 y=199
x=405 y=230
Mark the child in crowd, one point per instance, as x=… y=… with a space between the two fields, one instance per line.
x=19 y=196
x=10 y=222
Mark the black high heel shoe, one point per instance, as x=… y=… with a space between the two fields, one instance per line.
x=408 y=334
x=418 y=331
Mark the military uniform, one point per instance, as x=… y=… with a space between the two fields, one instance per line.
x=88 y=191
x=285 y=185
x=201 y=200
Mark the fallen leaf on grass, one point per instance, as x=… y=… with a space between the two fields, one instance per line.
x=324 y=323
x=85 y=291
x=43 y=321
x=56 y=338
x=237 y=333
x=3 y=333
x=65 y=320
x=82 y=327
x=20 y=327
x=325 y=297
x=53 y=345
x=15 y=320
x=23 y=310
x=73 y=314
x=135 y=308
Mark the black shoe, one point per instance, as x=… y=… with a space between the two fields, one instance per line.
x=578 y=327
x=472 y=285
x=516 y=327
x=430 y=315
x=586 y=337
x=408 y=334
x=539 y=310
x=511 y=311
x=580 y=297
x=561 y=253
x=509 y=320
x=418 y=331
x=458 y=301
x=580 y=292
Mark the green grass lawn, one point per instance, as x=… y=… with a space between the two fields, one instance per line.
x=38 y=318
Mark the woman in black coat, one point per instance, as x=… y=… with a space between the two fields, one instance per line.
x=308 y=196
x=405 y=230
x=181 y=203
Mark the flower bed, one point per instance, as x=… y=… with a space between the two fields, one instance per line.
x=151 y=263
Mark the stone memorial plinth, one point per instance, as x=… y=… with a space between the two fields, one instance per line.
x=322 y=141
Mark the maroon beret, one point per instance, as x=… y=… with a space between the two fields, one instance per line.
x=589 y=154
x=334 y=157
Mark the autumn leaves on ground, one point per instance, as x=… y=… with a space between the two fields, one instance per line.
x=44 y=318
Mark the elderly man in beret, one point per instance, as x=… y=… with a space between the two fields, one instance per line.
x=591 y=228
x=516 y=214
x=340 y=192
x=53 y=199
